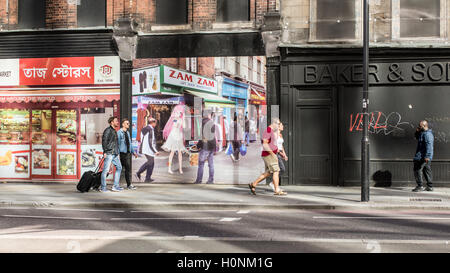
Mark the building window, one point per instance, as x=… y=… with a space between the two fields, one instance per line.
x=237 y=68
x=31 y=14
x=259 y=71
x=173 y=12
x=91 y=13
x=250 y=68
x=418 y=19
x=335 y=20
x=233 y=10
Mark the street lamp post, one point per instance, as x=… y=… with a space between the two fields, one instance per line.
x=365 y=158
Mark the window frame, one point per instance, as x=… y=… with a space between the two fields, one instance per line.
x=395 y=26
x=358 y=24
x=228 y=22
x=172 y=25
x=19 y=17
x=105 y=23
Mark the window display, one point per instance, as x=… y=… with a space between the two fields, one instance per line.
x=14 y=126
x=66 y=126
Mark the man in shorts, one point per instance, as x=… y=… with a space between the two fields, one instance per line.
x=269 y=155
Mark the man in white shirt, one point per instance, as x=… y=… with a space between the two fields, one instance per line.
x=148 y=148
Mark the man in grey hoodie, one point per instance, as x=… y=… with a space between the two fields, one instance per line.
x=423 y=157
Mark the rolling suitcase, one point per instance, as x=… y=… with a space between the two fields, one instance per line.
x=90 y=179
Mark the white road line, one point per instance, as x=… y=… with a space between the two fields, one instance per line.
x=243 y=212
x=89 y=210
x=49 y=217
x=175 y=211
x=165 y=218
x=382 y=217
x=229 y=219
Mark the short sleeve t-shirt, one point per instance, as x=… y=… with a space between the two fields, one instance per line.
x=271 y=136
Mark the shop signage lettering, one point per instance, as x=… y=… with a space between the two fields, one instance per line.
x=61 y=71
x=381 y=73
x=185 y=79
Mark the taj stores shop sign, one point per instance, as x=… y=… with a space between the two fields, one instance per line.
x=59 y=71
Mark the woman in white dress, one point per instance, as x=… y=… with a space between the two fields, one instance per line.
x=173 y=133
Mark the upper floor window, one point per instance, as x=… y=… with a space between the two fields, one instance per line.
x=91 y=13
x=173 y=12
x=335 y=20
x=233 y=10
x=31 y=14
x=418 y=19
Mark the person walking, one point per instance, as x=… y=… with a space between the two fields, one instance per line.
x=237 y=138
x=423 y=156
x=110 y=145
x=207 y=146
x=126 y=150
x=148 y=148
x=269 y=155
x=247 y=131
x=281 y=155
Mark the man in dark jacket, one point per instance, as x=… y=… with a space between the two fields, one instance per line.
x=207 y=146
x=423 y=157
x=148 y=148
x=110 y=146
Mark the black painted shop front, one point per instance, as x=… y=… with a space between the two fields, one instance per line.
x=320 y=101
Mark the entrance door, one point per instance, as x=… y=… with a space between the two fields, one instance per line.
x=54 y=144
x=313 y=145
x=42 y=144
x=67 y=144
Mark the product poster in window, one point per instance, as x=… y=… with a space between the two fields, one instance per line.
x=174 y=148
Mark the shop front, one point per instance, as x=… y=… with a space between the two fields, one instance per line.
x=321 y=101
x=53 y=112
x=237 y=92
x=257 y=108
x=157 y=90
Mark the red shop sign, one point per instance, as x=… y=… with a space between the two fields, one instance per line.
x=57 y=71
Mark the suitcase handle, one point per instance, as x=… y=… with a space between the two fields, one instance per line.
x=99 y=164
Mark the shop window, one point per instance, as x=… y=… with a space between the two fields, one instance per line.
x=418 y=19
x=14 y=126
x=91 y=13
x=31 y=14
x=335 y=20
x=233 y=10
x=172 y=12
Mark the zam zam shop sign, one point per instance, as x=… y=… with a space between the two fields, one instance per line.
x=185 y=79
x=381 y=73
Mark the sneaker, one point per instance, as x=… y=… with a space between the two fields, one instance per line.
x=429 y=189
x=418 y=189
x=197 y=182
x=104 y=191
x=131 y=187
x=210 y=182
x=272 y=186
x=116 y=189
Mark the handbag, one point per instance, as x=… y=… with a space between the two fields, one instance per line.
x=243 y=149
x=229 y=149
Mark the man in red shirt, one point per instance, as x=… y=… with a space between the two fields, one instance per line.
x=269 y=155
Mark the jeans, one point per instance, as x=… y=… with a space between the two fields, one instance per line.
x=247 y=138
x=202 y=157
x=422 y=167
x=114 y=159
x=125 y=160
x=149 y=165
x=236 y=149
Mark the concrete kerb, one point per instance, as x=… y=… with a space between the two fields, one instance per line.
x=215 y=205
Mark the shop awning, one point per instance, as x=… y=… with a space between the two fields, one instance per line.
x=69 y=95
x=212 y=100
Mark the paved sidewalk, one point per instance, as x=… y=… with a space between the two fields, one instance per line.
x=219 y=196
